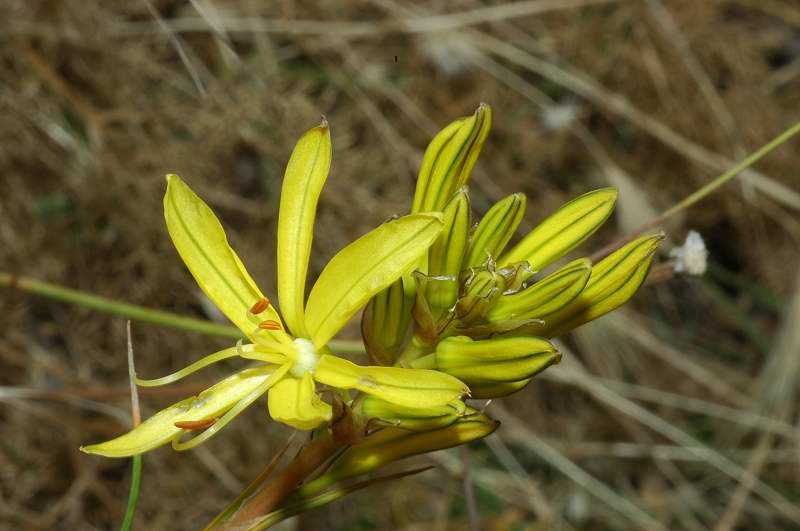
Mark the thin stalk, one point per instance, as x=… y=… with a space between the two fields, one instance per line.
x=703 y=191
x=136 y=415
x=141 y=313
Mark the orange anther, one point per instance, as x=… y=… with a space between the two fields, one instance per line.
x=269 y=325
x=195 y=424
x=260 y=306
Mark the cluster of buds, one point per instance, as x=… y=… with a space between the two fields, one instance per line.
x=480 y=311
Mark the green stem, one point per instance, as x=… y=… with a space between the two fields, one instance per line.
x=143 y=314
x=731 y=173
x=700 y=193
x=133 y=495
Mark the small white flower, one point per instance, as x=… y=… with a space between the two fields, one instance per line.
x=691 y=257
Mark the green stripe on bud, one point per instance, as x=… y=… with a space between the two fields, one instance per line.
x=447 y=254
x=564 y=230
x=495 y=230
x=449 y=160
x=497 y=390
x=545 y=296
x=408 y=418
x=385 y=323
x=491 y=361
x=392 y=444
x=481 y=290
x=614 y=280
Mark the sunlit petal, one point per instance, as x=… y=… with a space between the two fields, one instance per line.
x=201 y=242
x=365 y=267
x=295 y=402
x=305 y=176
x=417 y=388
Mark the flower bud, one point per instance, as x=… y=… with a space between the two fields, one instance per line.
x=392 y=444
x=495 y=230
x=486 y=362
x=481 y=290
x=545 y=296
x=414 y=419
x=385 y=323
x=449 y=160
x=613 y=281
x=446 y=255
x=497 y=390
x=564 y=230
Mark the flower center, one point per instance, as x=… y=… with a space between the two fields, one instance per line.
x=307 y=358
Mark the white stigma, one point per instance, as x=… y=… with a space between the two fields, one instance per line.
x=307 y=358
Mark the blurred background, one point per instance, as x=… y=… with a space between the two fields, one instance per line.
x=678 y=412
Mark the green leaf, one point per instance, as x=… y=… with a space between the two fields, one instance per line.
x=365 y=267
x=303 y=180
x=201 y=242
x=564 y=230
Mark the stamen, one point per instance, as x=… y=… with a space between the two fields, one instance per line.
x=269 y=324
x=240 y=406
x=260 y=306
x=196 y=424
x=186 y=371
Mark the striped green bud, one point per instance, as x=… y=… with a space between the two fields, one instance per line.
x=415 y=419
x=481 y=290
x=392 y=444
x=495 y=230
x=497 y=390
x=385 y=323
x=446 y=255
x=546 y=296
x=613 y=281
x=486 y=362
x=564 y=230
x=449 y=160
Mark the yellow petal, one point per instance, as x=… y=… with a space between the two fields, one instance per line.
x=564 y=230
x=418 y=388
x=201 y=242
x=614 y=280
x=449 y=159
x=303 y=180
x=160 y=428
x=295 y=402
x=365 y=267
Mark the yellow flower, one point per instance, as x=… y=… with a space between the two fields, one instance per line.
x=294 y=356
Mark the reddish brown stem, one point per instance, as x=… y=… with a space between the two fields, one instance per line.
x=271 y=495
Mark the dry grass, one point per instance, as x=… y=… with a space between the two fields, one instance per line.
x=678 y=413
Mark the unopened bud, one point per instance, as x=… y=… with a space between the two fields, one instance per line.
x=481 y=290
x=449 y=160
x=415 y=419
x=564 y=230
x=481 y=364
x=495 y=230
x=613 y=281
